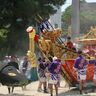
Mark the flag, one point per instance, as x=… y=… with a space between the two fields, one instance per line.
x=44 y=25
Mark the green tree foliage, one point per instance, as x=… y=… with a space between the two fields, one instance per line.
x=66 y=20
x=17 y=15
x=66 y=17
x=87 y=17
x=3 y=35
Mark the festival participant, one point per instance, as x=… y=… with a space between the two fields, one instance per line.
x=41 y=74
x=58 y=71
x=80 y=68
x=69 y=43
x=53 y=80
x=25 y=69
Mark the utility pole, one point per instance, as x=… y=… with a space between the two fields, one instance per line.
x=75 y=18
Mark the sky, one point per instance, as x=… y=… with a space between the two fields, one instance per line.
x=69 y=2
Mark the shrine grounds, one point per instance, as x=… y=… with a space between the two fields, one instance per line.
x=31 y=90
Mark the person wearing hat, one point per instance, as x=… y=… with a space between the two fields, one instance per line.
x=53 y=80
x=80 y=67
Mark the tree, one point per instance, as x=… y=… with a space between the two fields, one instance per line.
x=66 y=17
x=16 y=15
x=87 y=17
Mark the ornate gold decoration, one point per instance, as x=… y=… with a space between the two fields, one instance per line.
x=31 y=55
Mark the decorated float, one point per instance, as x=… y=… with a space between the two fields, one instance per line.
x=51 y=44
x=88 y=42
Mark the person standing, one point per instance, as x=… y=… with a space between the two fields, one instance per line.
x=53 y=69
x=69 y=43
x=58 y=70
x=41 y=74
x=80 y=67
x=25 y=69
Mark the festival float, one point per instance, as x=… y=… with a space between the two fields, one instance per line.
x=51 y=44
x=88 y=42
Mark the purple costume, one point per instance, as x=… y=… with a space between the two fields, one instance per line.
x=54 y=69
x=80 y=65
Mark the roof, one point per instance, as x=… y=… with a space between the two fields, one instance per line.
x=91 y=34
x=90 y=37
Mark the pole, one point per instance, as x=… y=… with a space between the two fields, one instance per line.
x=75 y=18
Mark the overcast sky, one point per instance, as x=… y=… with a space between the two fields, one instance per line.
x=69 y=2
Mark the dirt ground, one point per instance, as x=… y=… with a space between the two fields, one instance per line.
x=31 y=90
